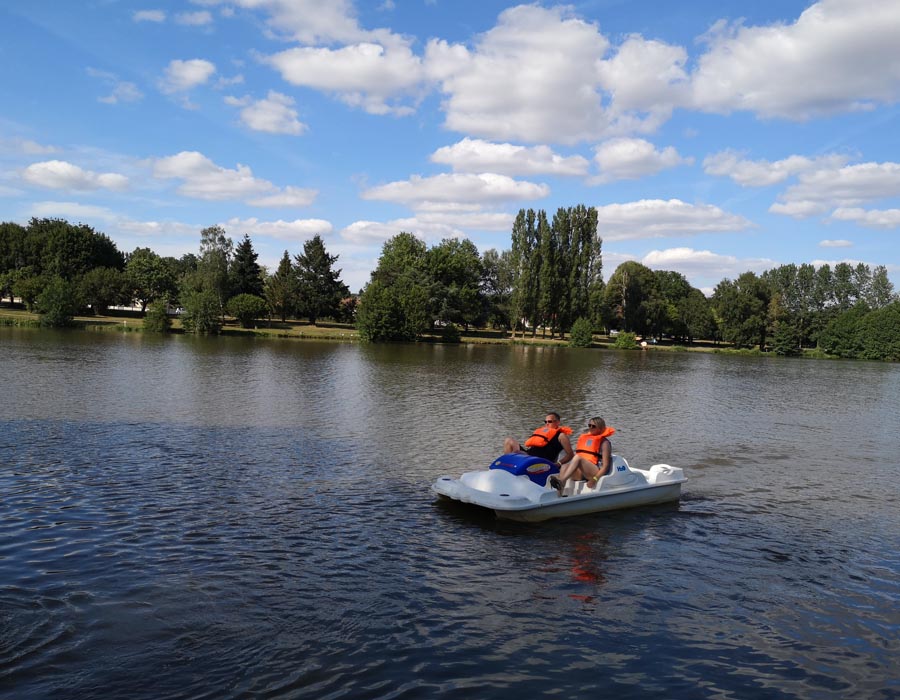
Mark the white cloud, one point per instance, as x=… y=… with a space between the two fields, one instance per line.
x=835 y=244
x=704 y=265
x=122 y=91
x=657 y=218
x=274 y=114
x=630 y=158
x=287 y=197
x=760 y=173
x=647 y=80
x=149 y=16
x=821 y=190
x=477 y=156
x=837 y=56
x=306 y=21
x=365 y=75
x=533 y=77
x=194 y=19
x=182 y=76
x=871 y=218
x=296 y=230
x=203 y=179
x=448 y=189
x=62 y=175
x=375 y=232
x=97 y=215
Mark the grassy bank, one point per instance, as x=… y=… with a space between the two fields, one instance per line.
x=129 y=321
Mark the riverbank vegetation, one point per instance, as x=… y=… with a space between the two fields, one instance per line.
x=547 y=288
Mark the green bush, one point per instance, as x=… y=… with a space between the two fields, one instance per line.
x=202 y=313
x=786 y=341
x=450 y=334
x=581 y=335
x=626 y=341
x=246 y=308
x=57 y=303
x=157 y=320
x=880 y=334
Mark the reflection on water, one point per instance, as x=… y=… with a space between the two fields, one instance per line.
x=235 y=518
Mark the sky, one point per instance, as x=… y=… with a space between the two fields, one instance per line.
x=713 y=136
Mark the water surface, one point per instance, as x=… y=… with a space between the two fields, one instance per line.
x=216 y=518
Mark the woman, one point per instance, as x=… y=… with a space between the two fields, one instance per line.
x=593 y=457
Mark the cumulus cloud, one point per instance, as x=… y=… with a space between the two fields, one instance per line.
x=533 y=77
x=275 y=114
x=296 y=230
x=62 y=175
x=658 y=218
x=646 y=80
x=366 y=75
x=870 y=218
x=149 y=16
x=840 y=243
x=448 y=189
x=306 y=21
x=760 y=173
x=183 y=76
x=478 y=156
x=630 y=158
x=704 y=265
x=837 y=56
x=819 y=191
x=203 y=179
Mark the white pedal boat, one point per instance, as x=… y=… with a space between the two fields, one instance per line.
x=516 y=487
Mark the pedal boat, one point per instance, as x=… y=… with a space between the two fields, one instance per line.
x=517 y=487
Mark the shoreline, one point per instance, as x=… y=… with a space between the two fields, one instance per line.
x=132 y=322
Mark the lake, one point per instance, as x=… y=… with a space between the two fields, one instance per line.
x=235 y=518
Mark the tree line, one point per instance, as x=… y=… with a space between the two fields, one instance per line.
x=549 y=280
x=59 y=269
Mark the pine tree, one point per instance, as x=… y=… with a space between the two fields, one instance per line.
x=281 y=288
x=246 y=273
x=321 y=288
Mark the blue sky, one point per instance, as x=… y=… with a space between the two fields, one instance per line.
x=713 y=137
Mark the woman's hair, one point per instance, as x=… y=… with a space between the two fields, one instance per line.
x=599 y=422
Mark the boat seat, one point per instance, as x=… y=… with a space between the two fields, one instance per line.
x=619 y=475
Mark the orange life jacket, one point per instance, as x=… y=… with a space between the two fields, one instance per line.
x=544 y=436
x=589 y=445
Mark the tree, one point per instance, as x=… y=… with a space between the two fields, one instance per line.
x=581 y=335
x=12 y=257
x=695 y=316
x=281 y=288
x=212 y=268
x=742 y=308
x=631 y=297
x=69 y=251
x=881 y=291
x=103 y=287
x=321 y=289
x=842 y=336
x=455 y=271
x=202 y=311
x=496 y=287
x=156 y=319
x=246 y=308
x=150 y=277
x=245 y=271
x=394 y=304
x=526 y=269
x=58 y=303
x=880 y=334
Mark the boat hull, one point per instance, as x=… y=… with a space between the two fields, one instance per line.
x=516 y=497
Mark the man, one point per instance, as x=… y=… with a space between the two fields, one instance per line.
x=547 y=441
